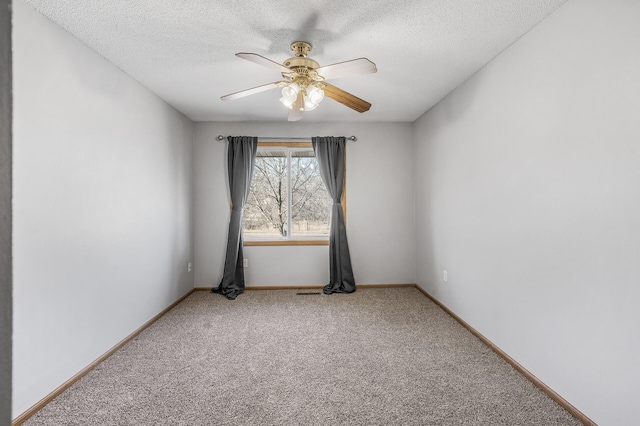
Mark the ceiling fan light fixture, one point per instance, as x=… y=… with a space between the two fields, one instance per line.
x=308 y=106
x=289 y=95
x=313 y=98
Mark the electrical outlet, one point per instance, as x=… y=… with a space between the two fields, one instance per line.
x=245 y=263
x=189 y=267
x=444 y=276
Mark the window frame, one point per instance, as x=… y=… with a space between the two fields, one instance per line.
x=299 y=241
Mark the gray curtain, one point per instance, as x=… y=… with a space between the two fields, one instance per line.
x=330 y=155
x=241 y=155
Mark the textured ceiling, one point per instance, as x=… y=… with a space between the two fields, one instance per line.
x=183 y=50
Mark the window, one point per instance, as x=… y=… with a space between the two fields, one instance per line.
x=288 y=202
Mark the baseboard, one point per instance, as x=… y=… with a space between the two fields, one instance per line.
x=385 y=285
x=283 y=287
x=279 y=287
x=533 y=379
x=44 y=401
x=310 y=287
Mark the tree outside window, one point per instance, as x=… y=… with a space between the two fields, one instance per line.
x=287 y=199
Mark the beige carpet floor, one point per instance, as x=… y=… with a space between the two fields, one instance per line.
x=384 y=356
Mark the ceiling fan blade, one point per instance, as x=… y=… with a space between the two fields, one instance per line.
x=295 y=113
x=252 y=91
x=261 y=60
x=347 y=68
x=346 y=98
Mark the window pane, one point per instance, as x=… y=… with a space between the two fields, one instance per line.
x=265 y=213
x=310 y=202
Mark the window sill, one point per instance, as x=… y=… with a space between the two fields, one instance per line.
x=287 y=243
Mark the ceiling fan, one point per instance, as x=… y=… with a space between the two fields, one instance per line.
x=304 y=86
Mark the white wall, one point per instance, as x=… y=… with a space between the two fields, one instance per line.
x=5 y=214
x=528 y=194
x=102 y=206
x=379 y=207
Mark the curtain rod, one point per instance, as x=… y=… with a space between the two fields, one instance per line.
x=350 y=138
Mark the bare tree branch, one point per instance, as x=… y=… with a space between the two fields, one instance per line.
x=267 y=204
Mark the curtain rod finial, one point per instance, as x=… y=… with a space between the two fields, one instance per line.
x=352 y=138
x=220 y=137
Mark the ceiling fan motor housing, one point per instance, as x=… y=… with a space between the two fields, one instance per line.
x=301 y=62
